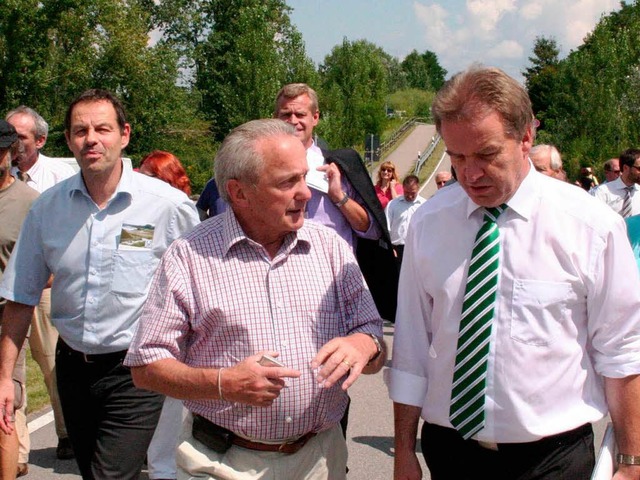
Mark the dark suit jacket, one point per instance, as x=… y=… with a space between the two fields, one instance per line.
x=375 y=257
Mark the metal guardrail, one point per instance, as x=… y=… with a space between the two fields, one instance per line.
x=427 y=153
x=382 y=150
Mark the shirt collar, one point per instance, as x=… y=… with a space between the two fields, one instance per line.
x=523 y=201
x=126 y=185
x=621 y=185
x=233 y=234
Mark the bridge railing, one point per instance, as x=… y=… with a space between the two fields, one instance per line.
x=427 y=153
x=387 y=146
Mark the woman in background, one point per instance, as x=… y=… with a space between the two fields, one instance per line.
x=387 y=187
x=166 y=167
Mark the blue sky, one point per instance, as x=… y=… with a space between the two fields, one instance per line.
x=494 y=32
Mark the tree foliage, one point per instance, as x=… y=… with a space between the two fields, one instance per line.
x=591 y=109
x=252 y=51
x=354 y=80
x=541 y=76
x=423 y=71
x=188 y=71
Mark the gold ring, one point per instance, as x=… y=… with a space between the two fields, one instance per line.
x=346 y=363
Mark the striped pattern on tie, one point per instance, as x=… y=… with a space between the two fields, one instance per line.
x=626 y=203
x=469 y=378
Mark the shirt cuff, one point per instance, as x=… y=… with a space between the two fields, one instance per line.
x=405 y=388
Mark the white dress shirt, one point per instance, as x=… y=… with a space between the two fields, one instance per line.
x=399 y=212
x=567 y=309
x=45 y=173
x=613 y=194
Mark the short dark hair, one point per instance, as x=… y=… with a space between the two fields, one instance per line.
x=409 y=180
x=96 y=95
x=629 y=157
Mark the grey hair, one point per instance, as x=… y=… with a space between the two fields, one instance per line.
x=42 y=127
x=239 y=159
x=555 y=161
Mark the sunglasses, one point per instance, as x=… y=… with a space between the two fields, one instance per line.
x=386 y=169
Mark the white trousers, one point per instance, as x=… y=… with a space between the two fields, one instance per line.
x=161 y=454
x=323 y=457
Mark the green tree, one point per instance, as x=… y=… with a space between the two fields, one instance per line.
x=354 y=87
x=541 y=76
x=52 y=50
x=251 y=53
x=593 y=113
x=423 y=71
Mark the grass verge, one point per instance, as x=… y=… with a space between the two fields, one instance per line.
x=37 y=395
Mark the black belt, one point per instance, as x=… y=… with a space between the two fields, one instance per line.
x=559 y=439
x=102 y=358
x=551 y=441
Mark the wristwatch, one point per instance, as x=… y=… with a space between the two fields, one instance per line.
x=344 y=200
x=624 y=459
x=378 y=346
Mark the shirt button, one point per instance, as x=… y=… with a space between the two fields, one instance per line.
x=91 y=300
x=283 y=344
x=94 y=272
x=288 y=419
x=432 y=352
x=94 y=243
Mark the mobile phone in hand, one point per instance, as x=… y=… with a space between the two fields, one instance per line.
x=269 y=361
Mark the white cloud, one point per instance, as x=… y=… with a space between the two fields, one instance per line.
x=434 y=19
x=506 y=49
x=487 y=13
x=531 y=10
x=582 y=16
x=503 y=32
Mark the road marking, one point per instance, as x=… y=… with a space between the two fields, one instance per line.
x=41 y=421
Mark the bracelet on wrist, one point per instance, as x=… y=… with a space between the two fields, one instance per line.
x=220 y=384
x=378 y=348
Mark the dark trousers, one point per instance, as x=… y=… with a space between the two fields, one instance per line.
x=566 y=456
x=399 y=249
x=110 y=422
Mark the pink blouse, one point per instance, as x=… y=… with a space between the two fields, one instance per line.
x=385 y=197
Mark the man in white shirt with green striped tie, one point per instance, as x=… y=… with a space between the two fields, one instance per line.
x=518 y=310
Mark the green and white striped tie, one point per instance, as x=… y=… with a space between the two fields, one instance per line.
x=470 y=374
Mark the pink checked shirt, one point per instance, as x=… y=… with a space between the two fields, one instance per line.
x=217 y=298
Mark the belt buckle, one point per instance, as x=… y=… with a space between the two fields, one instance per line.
x=283 y=446
x=86 y=358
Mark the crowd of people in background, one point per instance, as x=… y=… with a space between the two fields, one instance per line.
x=217 y=338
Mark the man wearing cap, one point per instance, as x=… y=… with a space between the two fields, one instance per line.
x=15 y=200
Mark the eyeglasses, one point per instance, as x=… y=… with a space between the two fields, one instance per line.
x=637 y=167
x=386 y=169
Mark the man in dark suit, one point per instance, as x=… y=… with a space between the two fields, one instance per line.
x=343 y=197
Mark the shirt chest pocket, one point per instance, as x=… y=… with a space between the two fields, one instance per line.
x=539 y=310
x=132 y=271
